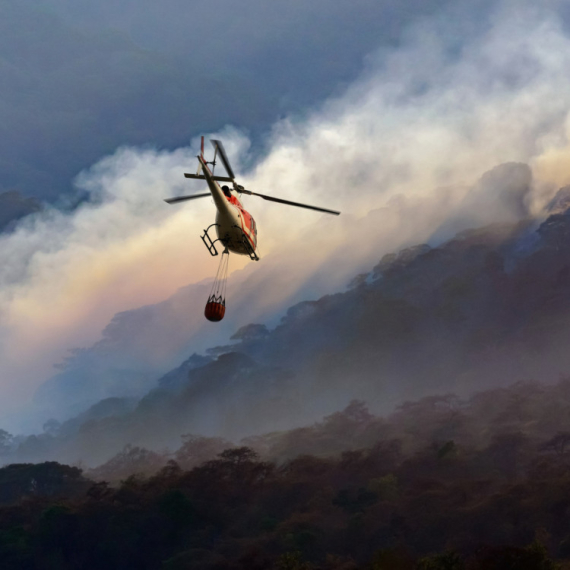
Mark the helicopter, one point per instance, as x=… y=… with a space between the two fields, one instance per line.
x=235 y=227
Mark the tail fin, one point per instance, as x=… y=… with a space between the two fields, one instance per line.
x=199 y=171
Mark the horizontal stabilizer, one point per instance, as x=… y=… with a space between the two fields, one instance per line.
x=202 y=177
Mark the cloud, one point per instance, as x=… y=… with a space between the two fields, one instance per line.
x=64 y=275
x=397 y=152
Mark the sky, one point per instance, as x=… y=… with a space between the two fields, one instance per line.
x=81 y=78
x=418 y=103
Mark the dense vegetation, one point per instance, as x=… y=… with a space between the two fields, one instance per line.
x=441 y=484
x=447 y=482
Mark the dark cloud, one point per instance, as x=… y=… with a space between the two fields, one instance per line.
x=68 y=98
x=81 y=78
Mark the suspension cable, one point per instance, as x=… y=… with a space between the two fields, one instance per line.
x=218 y=291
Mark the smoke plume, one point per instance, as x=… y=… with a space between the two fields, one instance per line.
x=401 y=153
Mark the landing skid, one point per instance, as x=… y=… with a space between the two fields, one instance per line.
x=208 y=241
x=211 y=247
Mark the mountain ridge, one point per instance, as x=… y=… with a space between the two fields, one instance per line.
x=485 y=309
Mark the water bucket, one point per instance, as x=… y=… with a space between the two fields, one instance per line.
x=214 y=311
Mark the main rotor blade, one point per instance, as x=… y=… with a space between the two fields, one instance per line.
x=183 y=198
x=224 y=157
x=289 y=203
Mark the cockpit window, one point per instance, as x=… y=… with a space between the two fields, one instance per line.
x=226 y=191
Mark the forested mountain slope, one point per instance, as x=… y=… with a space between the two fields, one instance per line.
x=486 y=308
x=441 y=484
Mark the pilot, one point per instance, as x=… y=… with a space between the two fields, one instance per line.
x=226 y=191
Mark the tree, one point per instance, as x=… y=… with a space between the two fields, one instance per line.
x=444 y=561
x=196 y=450
x=559 y=444
x=43 y=479
x=532 y=557
x=292 y=561
x=250 y=332
x=392 y=559
x=131 y=460
x=239 y=455
x=6 y=441
x=507 y=451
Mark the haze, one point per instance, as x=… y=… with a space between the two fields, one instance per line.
x=393 y=122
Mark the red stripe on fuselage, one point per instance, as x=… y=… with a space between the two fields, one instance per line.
x=246 y=228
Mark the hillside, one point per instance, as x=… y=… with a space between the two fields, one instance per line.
x=441 y=484
x=484 y=309
x=140 y=345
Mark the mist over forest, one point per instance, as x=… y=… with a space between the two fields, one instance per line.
x=443 y=482
x=485 y=308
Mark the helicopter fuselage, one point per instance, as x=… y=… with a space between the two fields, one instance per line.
x=235 y=226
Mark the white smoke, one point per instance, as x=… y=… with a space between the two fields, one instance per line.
x=396 y=153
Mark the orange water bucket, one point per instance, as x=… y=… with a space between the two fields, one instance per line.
x=214 y=311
